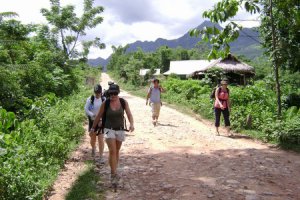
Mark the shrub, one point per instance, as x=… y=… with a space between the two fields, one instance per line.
x=254 y=103
x=32 y=151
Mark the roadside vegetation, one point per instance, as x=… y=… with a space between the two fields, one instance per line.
x=254 y=110
x=43 y=91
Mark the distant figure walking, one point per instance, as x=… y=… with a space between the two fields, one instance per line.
x=222 y=105
x=113 y=121
x=92 y=107
x=154 y=94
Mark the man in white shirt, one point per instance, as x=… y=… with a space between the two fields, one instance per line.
x=92 y=107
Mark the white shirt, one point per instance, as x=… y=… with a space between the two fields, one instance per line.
x=92 y=110
x=155 y=95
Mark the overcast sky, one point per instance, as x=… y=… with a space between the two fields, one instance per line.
x=126 y=21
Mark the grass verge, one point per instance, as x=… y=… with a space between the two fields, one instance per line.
x=86 y=186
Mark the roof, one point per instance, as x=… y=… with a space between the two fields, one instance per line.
x=230 y=64
x=186 y=67
x=143 y=72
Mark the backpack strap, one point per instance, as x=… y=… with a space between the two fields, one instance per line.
x=92 y=99
x=219 y=89
x=123 y=103
x=103 y=98
x=106 y=106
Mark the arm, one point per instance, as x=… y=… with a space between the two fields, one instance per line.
x=129 y=116
x=148 y=96
x=162 y=90
x=217 y=98
x=86 y=108
x=98 y=117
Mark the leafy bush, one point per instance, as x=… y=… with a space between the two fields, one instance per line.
x=253 y=108
x=32 y=151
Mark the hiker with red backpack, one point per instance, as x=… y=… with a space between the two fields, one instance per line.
x=92 y=107
x=222 y=105
x=114 y=126
x=154 y=94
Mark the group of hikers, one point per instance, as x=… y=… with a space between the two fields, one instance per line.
x=105 y=111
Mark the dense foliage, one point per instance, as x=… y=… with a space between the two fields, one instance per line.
x=253 y=106
x=32 y=151
x=42 y=97
x=127 y=66
x=280 y=22
x=254 y=101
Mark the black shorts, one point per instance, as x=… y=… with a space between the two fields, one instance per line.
x=98 y=129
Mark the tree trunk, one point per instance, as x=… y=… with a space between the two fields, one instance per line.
x=275 y=61
x=64 y=44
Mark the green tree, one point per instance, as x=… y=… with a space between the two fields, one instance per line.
x=88 y=44
x=282 y=42
x=70 y=27
x=7 y=15
x=181 y=54
x=14 y=43
x=165 y=54
x=118 y=58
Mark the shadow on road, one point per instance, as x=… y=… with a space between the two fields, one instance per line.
x=223 y=174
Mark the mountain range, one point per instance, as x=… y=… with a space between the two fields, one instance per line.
x=247 y=44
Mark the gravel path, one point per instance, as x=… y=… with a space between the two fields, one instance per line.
x=181 y=158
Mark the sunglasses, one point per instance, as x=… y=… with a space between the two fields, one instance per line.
x=113 y=93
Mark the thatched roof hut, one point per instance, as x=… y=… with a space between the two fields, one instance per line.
x=239 y=72
x=229 y=64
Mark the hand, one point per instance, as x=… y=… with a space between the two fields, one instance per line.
x=222 y=107
x=93 y=117
x=92 y=131
x=131 y=128
x=100 y=123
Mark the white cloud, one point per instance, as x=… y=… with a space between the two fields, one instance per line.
x=126 y=21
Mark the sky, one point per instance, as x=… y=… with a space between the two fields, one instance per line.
x=126 y=21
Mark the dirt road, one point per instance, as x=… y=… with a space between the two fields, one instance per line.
x=181 y=158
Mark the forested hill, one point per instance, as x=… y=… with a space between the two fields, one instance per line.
x=247 y=44
x=98 y=61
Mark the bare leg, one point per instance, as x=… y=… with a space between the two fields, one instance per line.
x=101 y=144
x=217 y=131
x=93 y=143
x=113 y=160
x=228 y=131
x=118 y=146
x=153 y=120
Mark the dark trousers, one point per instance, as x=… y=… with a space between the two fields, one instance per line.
x=90 y=122
x=98 y=130
x=218 y=112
